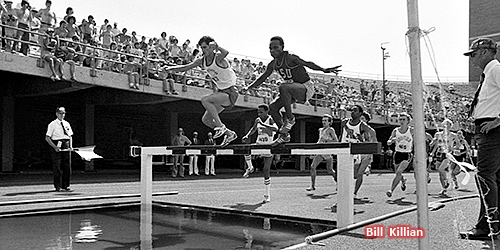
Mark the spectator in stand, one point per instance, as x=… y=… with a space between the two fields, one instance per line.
x=133 y=38
x=61 y=31
x=47 y=53
x=47 y=17
x=130 y=69
x=115 y=29
x=247 y=69
x=183 y=53
x=162 y=45
x=174 y=49
x=236 y=66
x=179 y=140
x=123 y=38
x=210 y=159
x=106 y=37
x=114 y=66
x=24 y=18
x=69 y=13
x=193 y=159
x=72 y=28
x=104 y=26
x=9 y=17
x=193 y=56
x=88 y=28
x=189 y=48
x=66 y=54
x=144 y=44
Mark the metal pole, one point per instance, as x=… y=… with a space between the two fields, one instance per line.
x=420 y=163
x=383 y=75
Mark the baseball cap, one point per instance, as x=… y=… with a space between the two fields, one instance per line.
x=481 y=43
x=61 y=110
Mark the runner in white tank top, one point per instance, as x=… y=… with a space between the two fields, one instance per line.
x=224 y=96
x=266 y=128
x=326 y=135
x=403 y=138
x=353 y=131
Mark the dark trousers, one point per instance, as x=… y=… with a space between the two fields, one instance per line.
x=61 y=166
x=488 y=175
x=25 y=36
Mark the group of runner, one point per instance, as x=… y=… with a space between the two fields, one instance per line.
x=297 y=87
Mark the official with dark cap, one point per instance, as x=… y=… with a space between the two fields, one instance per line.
x=59 y=137
x=485 y=111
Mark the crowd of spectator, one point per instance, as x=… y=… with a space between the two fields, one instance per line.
x=108 y=47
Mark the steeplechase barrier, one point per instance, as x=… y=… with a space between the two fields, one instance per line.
x=344 y=152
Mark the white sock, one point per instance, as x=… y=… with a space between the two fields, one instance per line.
x=267 y=185
x=248 y=160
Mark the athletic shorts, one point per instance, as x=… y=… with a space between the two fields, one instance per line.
x=402 y=156
x=233 y=96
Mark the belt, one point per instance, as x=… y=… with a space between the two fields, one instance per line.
x=479 y=121
x=47 y=23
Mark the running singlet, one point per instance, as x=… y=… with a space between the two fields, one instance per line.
x=265 y=135
x=441 y=143
x=351 y=133
x=404 y=141
x=324 y=136
x=223 y=77
x=291 y=73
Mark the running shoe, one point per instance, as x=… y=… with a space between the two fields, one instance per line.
x=248 y=172
x=446 y=185
x=229 y=137
x=443 y=193
x=368 y=170
x=282 y=138
x=287 y=126
x=219 y=131
x=267 y=199
x=388 y=193
x=310 y=188
x=403 y=184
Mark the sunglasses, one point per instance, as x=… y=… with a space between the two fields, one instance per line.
x=474 y=54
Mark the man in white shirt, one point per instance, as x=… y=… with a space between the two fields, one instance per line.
x=59 y=137
x=485 y=111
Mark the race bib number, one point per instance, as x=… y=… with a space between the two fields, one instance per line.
x=263 y=139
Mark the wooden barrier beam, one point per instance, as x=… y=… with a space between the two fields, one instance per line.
x=258 y=149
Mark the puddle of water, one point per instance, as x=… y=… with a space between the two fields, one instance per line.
x=119 y=227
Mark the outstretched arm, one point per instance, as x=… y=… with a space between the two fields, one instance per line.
x=181 y=68
x=262 y=78
x=314 y=66
x=250 y=132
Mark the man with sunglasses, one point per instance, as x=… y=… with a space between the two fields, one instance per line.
x=485 y=111
x=60 y=138
x=296 y=87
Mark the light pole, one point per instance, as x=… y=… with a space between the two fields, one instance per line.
x=385 y=55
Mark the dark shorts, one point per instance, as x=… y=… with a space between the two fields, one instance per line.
x=401 y=156
x=232 y=92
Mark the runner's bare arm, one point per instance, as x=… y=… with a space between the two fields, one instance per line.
x=314 y=66
x=262 y=78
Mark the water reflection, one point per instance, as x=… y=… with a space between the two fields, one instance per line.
x=88 y=233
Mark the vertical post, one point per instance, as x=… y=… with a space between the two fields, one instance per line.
x=89 y=132
x=146 y=200
x=8 y=127
x=345 y=184
x=420 y=162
